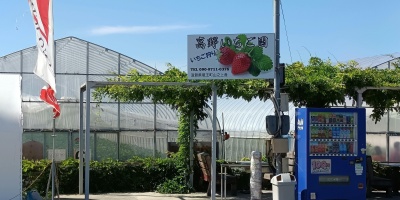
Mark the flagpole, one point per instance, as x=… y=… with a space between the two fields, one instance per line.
x=52 y=41
x=53 y=170
x=45 y=63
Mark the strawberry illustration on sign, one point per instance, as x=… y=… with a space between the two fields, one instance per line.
x=241 y=63
x=244 y=56
x=226 y=55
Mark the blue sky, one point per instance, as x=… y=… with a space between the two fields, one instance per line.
x=155 y=31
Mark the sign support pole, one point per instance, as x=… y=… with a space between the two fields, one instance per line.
x=277 y=81
x=214 y=142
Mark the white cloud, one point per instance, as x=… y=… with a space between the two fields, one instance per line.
x=107 y=30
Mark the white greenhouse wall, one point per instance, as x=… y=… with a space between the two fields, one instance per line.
x=11 y=137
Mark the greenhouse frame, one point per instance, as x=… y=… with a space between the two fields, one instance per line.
x=122 y=130
x=118 y=130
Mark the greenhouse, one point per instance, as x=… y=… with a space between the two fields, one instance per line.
x=122 y=130
x=118 y=130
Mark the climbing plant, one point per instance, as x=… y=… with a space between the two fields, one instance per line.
x=316 y=84
x=322 y=84
x=182 y=98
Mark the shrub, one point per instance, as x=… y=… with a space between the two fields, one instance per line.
x=134 y=175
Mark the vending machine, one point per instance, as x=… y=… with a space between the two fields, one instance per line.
x=330 y=153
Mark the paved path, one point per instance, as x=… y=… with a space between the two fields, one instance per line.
x=267 y=195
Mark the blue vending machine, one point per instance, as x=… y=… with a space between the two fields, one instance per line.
x=330 y=153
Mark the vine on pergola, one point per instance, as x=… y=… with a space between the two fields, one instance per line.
x=323 y=84
x=318 y=84
x=184 y=99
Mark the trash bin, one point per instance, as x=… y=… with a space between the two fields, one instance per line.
x=283 y=187
x=33 y=195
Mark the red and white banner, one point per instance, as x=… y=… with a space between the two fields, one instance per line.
x=42 y=13
x=47 y=94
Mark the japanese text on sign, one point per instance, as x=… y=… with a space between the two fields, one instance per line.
x=231 y=56
x=213 y=42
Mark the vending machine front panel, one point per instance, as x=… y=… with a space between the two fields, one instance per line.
x=330 y=153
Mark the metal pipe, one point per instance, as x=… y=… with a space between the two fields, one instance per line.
x=80 y=142
x=53 y=166
x=87 y=140
x=155 y=131
x=119 y=113
x=277 y=81
x=191 y=147
x=214 y=143
x=387 y=136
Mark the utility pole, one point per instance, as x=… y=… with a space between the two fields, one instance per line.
x=277 y=81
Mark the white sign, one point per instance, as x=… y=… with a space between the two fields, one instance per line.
x=231 y=56
x=60 y=154
x=321 y=166
x=11 y=137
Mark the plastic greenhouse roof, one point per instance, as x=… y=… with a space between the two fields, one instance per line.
x=379 y=61
x=243 y=118
x=78 y=61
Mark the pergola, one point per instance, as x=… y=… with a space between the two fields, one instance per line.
x=360 y=91
x=96 y=84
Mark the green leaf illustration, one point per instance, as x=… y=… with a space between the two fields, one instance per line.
x=265 y=63
x=253 y=70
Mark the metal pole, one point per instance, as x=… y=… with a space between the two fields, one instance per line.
x=223 y=137
x=118 y=143
x=360 y=91
x=80 y=142
x=191 y=147
x=119 y=114
x=277 y=81
x=95 y=146
x=81 y=136
x=87 y=140
x=155 y=131
x=52 y=161
x=387 y=135
x=214 y=143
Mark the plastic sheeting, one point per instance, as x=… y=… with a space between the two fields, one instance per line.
x=246 y=119
x=78 y=61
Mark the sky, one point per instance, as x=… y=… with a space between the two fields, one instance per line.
x=155 y=31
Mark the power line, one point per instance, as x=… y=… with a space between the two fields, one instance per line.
x=284 y=23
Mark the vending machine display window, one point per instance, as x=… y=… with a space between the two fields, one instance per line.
x=333 y=134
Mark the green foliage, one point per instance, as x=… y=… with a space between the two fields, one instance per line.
x=380 y=100
x=318 y=84
x=185 y=99
x=175 y=186
x=134 y=175
x=322 y=84
x=35 y=175
x=68 y=175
